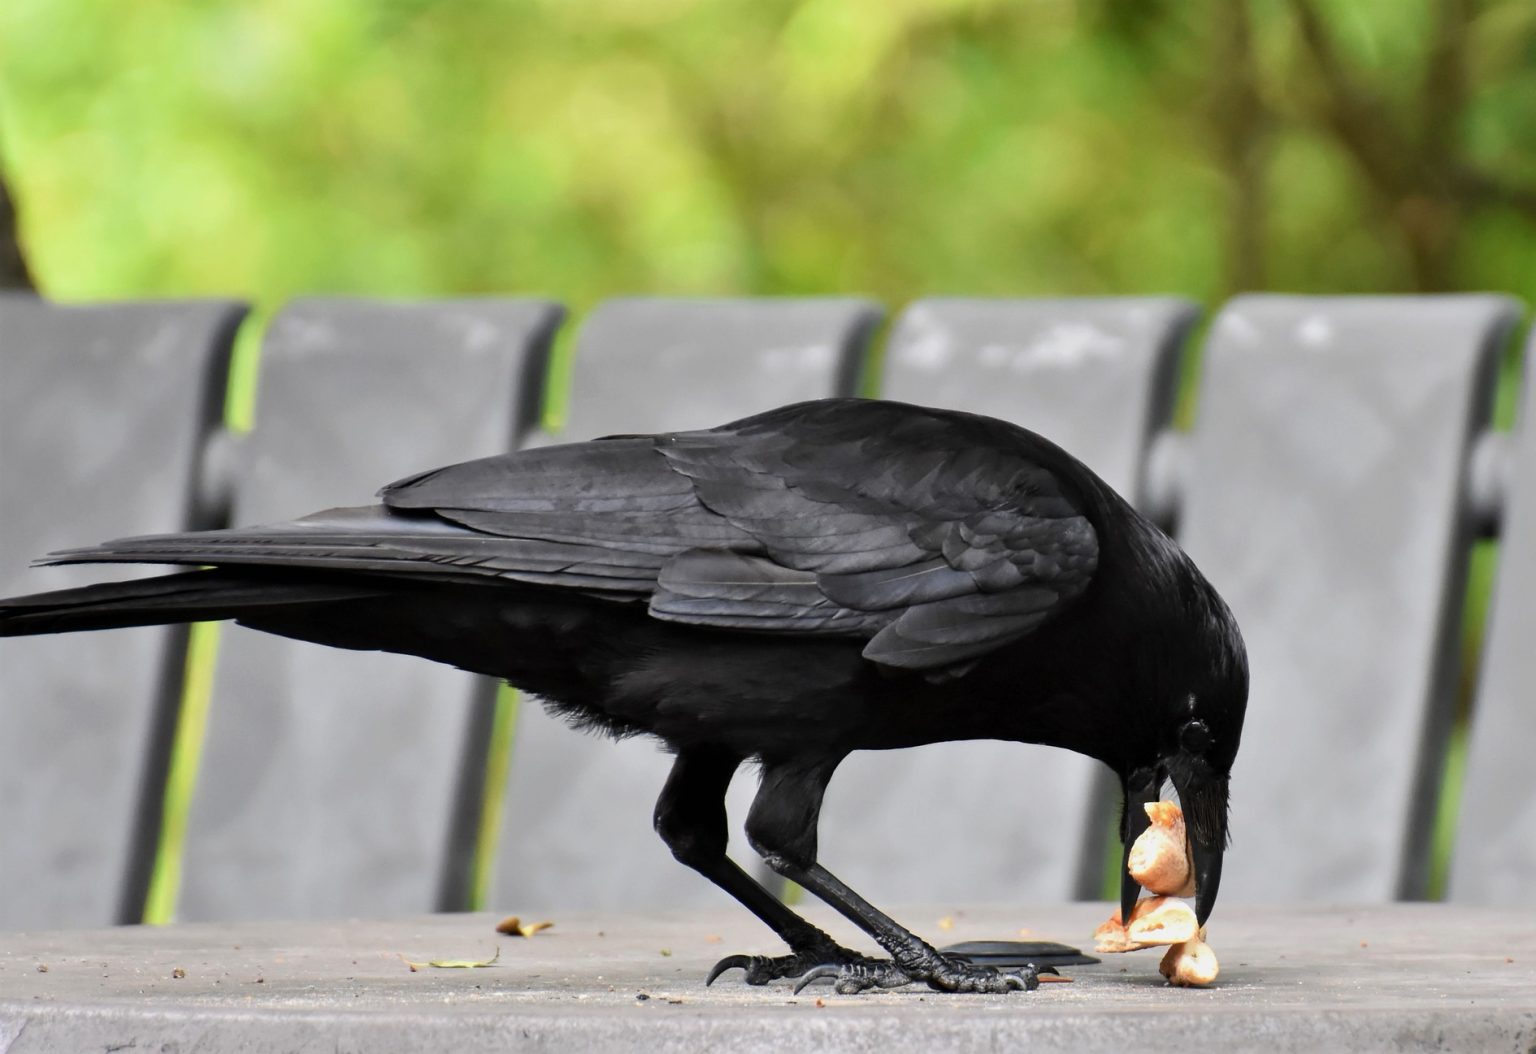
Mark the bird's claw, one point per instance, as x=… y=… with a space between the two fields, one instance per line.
x=852 y=978
x=815 y=974
x=731 y=962
x=947 y=975
x=958 y=975
x=761 y=969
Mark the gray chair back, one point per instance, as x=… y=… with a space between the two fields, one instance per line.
x=1495 y=855
x=335 y=784
x=1095 y=376
x=577 y=831
x=1326 y=499
x=103 y=413
x=659 y=364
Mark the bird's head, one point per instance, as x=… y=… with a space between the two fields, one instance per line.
x=1194 y=743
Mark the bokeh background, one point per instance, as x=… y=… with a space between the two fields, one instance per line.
x=581 y=149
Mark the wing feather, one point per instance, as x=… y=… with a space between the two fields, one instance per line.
x=932 y=535
x=949 y=532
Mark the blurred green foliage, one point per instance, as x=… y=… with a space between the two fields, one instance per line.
x=582 y=148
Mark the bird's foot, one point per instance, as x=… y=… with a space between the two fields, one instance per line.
x=760 y=969
x=851 y=978
x=942 y=973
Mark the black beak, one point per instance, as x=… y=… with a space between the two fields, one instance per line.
x=1141 y=787
x=1207 y=876
x=1205 y=824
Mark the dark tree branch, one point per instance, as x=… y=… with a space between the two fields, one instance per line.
x=1482 y=188
x=1412 y=167
x=1359 y=120
x=1241 y=121
x=1444 y=90
x=14 y=273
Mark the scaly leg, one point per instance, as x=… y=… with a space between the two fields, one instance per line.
x=782 y=827
x=691 y=819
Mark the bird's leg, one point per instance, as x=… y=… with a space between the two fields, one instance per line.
x=912 y=958
x=691 y=819
x=782 y=827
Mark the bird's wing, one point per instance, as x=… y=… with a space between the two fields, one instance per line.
x=934 y=536
x=940 y=535
x=600 y=518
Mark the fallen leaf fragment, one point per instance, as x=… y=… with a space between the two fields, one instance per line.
x=513 y=926
x=42 y=967
x=1159 y=859
x=178 y=973
x=453 y=964
x=1050 y=978
x=1190 y=964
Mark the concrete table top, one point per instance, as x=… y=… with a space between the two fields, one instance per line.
x=1406 y=976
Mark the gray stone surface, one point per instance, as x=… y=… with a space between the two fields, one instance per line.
x=1405 y=977
x=1495 y=857
x=1096 y=376
x=329 y=778
x=103 y=413
x=577 y=829
x=1327 y=502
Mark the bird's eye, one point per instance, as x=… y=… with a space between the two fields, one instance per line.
x=1194 y=736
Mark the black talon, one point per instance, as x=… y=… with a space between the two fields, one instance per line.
x=730 y=962
x=945 y=975
x=817 y=973
x=763 y=969
x=1027 y=979
x=953 y=975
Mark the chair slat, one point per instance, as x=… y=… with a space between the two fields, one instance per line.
x=653 y=364
x=1327 y=502
x=329 y=780
x=104 y=410
x=578 y=810
x=994 y=821
x=1495 y=854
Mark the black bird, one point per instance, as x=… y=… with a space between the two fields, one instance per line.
x=827 y=577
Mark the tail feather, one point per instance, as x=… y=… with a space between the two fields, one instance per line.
x=193 y=596
x=376 y=541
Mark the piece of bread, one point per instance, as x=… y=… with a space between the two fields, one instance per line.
x=1159 y=858
x=1111 y=937
x=1160 y=862
x=1191 y=963
x=1163 y=921
x=1155 y=921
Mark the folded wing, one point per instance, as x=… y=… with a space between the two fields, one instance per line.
x=940 y=535
x=934 y=536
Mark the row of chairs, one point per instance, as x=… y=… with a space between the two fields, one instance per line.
x=1339 y=473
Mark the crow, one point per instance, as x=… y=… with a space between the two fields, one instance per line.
x=830 y=576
